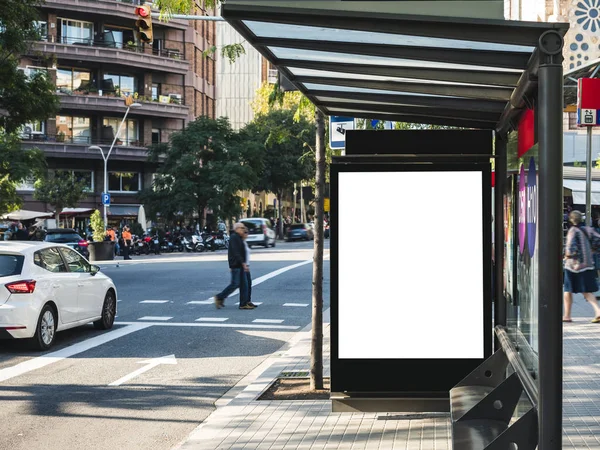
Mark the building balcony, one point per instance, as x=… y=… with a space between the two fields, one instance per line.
x=170 y=61
x=61 y=146
x=121 y=9
x=114 y=105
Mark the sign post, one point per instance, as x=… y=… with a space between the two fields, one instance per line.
x=588 y=104
x=337 y=131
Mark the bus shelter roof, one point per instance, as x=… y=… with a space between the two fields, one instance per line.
x=465 y=72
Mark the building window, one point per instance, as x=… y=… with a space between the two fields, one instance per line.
x=42 y=29
x=86 y=176
x=33 y=130
x=76 y=32
x=124 y=182
x=116 y=37
x=27 y=184
x=74 y=130
x=120 y=84
x=129 y=134
x=69 y=80
x=156 y=136
x=155 y=91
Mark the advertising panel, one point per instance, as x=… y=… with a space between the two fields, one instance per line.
x=404 y=296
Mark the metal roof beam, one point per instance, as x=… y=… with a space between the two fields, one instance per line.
x=481 y=30
x=491 y=78
x=485 y=93
x=416 y=111
x=416 y=119
x=507 y=60
x=418 y=100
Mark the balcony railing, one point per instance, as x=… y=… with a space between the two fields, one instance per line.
x=166 y=60
x=81 y=140
x=90 y=42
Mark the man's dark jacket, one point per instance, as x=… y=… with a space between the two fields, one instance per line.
x=237 y=251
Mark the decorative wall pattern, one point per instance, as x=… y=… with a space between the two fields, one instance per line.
x=582 y=42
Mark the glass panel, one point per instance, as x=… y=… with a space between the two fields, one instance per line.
x=326 y=87
x=81 y=130
x=312 y=55
x=11 y=265
x=277 y=30
x=85 y=176
x=64 y=126
x=352 y=101
x=64 y=79
x=114 y=181
x=326 y=74
x=111 y=83
x=155 y=136
x=81 y=77
x=128 y=85
x=155 y=91
x=75 y=261
x=132 y=131
x=130 y=181
x=50 y=260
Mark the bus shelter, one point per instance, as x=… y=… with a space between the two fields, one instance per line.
x=386 y=61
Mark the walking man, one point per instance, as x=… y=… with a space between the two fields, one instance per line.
x=236 y=254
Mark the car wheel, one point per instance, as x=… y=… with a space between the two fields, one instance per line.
x=45 y=331
x=109 y=311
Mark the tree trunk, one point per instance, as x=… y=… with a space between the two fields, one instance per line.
x=57 y=218
x=280 y=211
x=316 y=353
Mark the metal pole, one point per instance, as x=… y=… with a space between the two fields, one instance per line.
x=295 y=199
x=106 y=160
x=190 y=17
x=549 y=240
x=500 y=169
x=302 y=218
x=588 y=179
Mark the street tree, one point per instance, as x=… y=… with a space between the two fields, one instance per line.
x=23 y=98
x=284 y=142
x=203 y=166
x=61 y=190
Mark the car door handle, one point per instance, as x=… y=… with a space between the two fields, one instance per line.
x=81 y=284
x=56 y=286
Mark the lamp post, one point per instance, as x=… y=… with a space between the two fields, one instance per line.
x=105 y=157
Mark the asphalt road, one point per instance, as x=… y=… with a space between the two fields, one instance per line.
x=151 y=380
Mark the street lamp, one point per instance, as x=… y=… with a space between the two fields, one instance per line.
x=105 y=157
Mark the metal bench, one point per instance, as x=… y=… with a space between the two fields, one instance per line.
x=484 y=404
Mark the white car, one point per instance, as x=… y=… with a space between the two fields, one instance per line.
x=260 y=232
x=46 y=287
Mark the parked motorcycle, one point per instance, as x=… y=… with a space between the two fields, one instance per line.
x=139 y=246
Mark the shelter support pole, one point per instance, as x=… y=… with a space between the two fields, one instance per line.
x=549 y=241
x=500 y=170
x=588 y=179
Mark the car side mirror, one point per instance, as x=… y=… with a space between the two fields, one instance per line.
x=94 y=269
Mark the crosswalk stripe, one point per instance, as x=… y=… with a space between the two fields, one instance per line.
x=201 y=302
x=267 y=321
x=155 y=318
x=155 y=301
x=212 y=319
x=295 y=304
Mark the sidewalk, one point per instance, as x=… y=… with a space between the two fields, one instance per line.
x=243 y=422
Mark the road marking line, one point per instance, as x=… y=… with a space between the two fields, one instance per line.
x=49 y=358
x=150 y=364
x=212 y=319
x=216 y=325
x=295 y=304
x=155 y=318
x=155 y=301
x=267 y=321
x=201 y=302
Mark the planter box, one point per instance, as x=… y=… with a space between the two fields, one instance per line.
x=102 y=251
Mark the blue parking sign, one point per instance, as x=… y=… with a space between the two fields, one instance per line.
x=105 y=198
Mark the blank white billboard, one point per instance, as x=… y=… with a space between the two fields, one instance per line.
x=410 y=265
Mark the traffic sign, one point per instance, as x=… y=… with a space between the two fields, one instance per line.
x=326 y=205
x=587 y=117
x=337 y=131
x=105 y=198
x=588 y=102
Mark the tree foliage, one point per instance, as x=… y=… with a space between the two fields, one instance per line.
x=286 y=145
x=203 y=166
x=61 y=190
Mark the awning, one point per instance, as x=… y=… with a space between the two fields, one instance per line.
x=75 y=211
x=577 y=187
x=23 y=214
x=124 y=210
x=465 y=72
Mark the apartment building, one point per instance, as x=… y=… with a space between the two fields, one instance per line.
x=91 y=52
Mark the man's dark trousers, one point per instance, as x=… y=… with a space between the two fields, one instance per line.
x=236 y=282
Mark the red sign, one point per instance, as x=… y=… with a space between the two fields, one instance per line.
x=588 y=93
x=526 y=138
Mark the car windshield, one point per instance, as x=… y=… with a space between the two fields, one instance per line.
x=63 y=237
x=11 y=265
x=297 y=226
x=252 y=224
